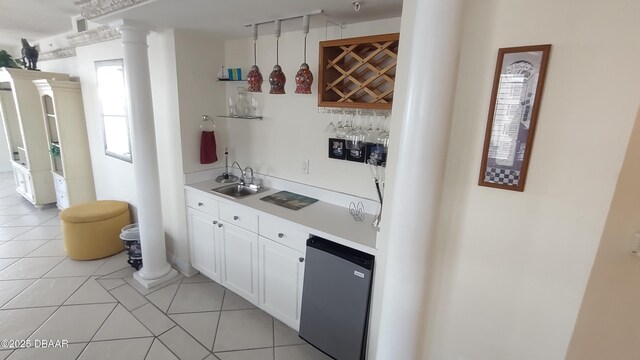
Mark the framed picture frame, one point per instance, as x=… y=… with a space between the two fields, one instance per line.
x=513 y=113
x=337 y=149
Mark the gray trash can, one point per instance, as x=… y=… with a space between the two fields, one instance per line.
x=130 y=236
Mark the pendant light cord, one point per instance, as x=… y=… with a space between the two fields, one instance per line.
x=277 y=50
x=255 y=59
x=305 y=48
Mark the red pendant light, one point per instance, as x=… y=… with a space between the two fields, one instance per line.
x=277 y=79
x=304 y=77
x=254 y=77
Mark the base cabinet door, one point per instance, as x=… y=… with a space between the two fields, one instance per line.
x=203 y=243
x=239 y=250
x=281 y=277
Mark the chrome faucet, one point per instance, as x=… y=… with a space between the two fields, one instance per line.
x=245 y=173
x=242 y=179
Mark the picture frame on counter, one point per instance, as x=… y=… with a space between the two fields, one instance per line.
x=513 y=113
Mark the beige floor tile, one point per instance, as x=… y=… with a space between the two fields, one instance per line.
x=244 y=329
x=8 y=233
x=70 y=267
x=56 y=353
x=53 y=221
x=121 y=325
x=6 y=218
x=109 y=284
x=10 y=288
x=20 y=323
x=130 y=349
x=284 y=335
x=202 y=326
x=113 y=263
x=257 y=354
x=50 y=248
x=299 y=352
x=15 y=249
x=75 y=323
x=6 y=262
x=197 y=297
x=120 y=274
x=32 y=219
x=160 y=352
x=40 y=233
x=4 y=354
x=128 y=297
x=153 y=319
x=16 y=210
x=46 y=292
x=29 y=268
x=235 y=302
x=163 y=297
x=90 y=293
x=183 y=345
x=197 y=278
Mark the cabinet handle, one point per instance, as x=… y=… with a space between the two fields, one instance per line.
x=235 y=218
x=219 y=225
x=301 y=259
x=280 y=235
x=214 y=222
x=200 y=204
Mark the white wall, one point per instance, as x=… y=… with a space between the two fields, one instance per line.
x=5 y=154
x=511 y=268
x=292 y=128
x=113 y=177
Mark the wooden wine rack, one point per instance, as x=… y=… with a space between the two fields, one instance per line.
x=358 y=72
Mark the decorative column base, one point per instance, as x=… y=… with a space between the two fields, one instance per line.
x=149 y=283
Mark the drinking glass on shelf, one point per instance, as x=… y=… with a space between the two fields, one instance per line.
x=231 y=104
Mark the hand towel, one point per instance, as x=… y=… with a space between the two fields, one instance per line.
x=208 y=153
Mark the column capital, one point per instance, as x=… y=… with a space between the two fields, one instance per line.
x=132 y=31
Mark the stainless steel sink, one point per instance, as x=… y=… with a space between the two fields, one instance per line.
x=238 y=191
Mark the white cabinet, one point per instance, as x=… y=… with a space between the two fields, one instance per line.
x=203 y=243
x=26 y=135
x=257 y=256
x=63 y=114
x=239 y=252
x=281 y=276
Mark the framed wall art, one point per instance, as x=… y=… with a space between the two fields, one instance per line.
x=513 y=114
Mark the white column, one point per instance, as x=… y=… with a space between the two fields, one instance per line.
x=429 y=48
x=155 y=268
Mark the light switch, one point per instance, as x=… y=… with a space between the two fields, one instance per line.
x=305 y=166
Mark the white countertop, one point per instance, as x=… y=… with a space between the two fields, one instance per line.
x=325 y=220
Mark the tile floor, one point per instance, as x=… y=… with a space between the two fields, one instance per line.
x=104 y=314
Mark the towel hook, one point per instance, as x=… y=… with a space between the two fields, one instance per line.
x=207 y=123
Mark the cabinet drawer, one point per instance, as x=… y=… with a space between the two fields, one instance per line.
x=202 y=203
x=240 y=216
x=62 y=200
x=60 y=184
x=284 y=233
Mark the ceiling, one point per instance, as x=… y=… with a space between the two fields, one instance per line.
x=224 y=18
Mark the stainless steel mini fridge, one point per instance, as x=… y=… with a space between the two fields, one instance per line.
x=335 y=299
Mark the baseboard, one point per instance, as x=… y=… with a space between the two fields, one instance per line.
x=183 y=267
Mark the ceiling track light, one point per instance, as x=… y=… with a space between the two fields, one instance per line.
x=304 y=77
x=277 y=79
x=254 y=77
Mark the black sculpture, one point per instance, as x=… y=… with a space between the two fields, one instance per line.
x=29 y=55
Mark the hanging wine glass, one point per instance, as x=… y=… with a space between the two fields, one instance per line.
x=342 y=127
x=355 y=136
x=383 y=136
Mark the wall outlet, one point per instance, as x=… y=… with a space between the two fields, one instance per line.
x=305 y=166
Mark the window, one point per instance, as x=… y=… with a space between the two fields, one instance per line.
x=115 y=121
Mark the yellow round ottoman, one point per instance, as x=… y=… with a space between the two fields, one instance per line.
x=92 y=230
